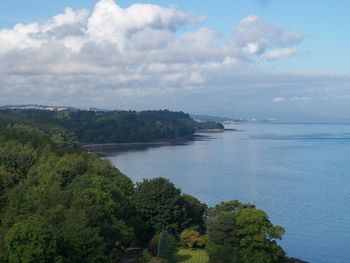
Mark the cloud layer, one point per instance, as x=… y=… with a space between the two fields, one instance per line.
x=141 y=56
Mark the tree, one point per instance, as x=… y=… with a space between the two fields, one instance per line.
x=106 y=208
x=166 y=248
x=257 y=237
x=222 y=240
x=5 y=181
x=17 y=159
x=70 y=166
x=84 y=201
x=159 y=204
x=79 y=242
x=31 y=240
x=195 y=212
x=192 y=238
x=228 y=206
x=242 y=233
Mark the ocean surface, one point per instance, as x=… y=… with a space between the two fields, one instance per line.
x=298 y=173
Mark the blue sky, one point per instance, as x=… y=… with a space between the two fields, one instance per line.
x=289 y=77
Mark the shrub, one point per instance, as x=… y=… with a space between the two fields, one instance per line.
x=145 y=257
x=166 y=247
x=153 y=245
x=192 y=238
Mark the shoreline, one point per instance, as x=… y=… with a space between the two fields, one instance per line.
x=115 y=146
x=102 y=147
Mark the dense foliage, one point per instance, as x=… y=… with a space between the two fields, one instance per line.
x=162 y=207
x=209 y=125
x=166 y=247
x=243 y=234
x=61 y=204
x=58 y=204
x=106 y=127
x=191 y=238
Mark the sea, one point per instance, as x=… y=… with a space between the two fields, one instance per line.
x=299 y=173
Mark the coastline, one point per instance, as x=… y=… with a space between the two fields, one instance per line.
x=119 y=146
x=214 y=130
x=102 y=147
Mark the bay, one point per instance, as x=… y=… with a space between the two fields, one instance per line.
x=299 y=173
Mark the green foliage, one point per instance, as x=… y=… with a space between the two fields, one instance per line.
x=79 y=242
x=194 y=211
x=145 y=257
x=5 y=183
x=242 y=233
x=31 y=240
x=153 y=245
x=159 y=204
x=59 y=204
x=68 y=166
x=192 y=238
x=228 y=206
x=208 y=125
x=78 y=200
x=103 y=127
x=222 y=245
x=257 y=237
x=17 y=159
x=166 y=247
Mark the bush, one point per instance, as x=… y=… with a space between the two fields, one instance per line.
x=192 y=239
x=31 y=240
x=145 y=257
x=166 y=247
x=153 y=245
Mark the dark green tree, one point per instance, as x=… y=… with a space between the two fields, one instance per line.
x=79 y=242
x=222 y=240
x=257 y=237
x=194 y=212
x=31 y=240
x=166 y=249
x=242 y=233
x=159 y=204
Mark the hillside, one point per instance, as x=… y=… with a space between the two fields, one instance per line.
x=106 y=127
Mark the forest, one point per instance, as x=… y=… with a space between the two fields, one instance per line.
x=110 y=126
x=60 y=204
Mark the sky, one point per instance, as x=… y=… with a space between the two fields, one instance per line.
x=265 y=59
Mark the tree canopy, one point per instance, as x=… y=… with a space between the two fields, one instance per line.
x=60 y=204
x=241 y=233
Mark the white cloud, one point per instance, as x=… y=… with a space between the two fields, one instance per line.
x=278 y=99
x=280 y=53
x=115 y=40
x=257 y=36
x=147 y=55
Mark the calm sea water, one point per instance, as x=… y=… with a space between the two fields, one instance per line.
x=298 y=173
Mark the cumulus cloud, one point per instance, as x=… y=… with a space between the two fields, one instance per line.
x=259 y=37
x=125 y=40
x=140 y=56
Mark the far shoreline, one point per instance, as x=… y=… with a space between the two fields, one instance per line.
x=199 y=135
x=110 y=147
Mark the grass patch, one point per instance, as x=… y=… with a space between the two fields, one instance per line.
x=191 y=256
